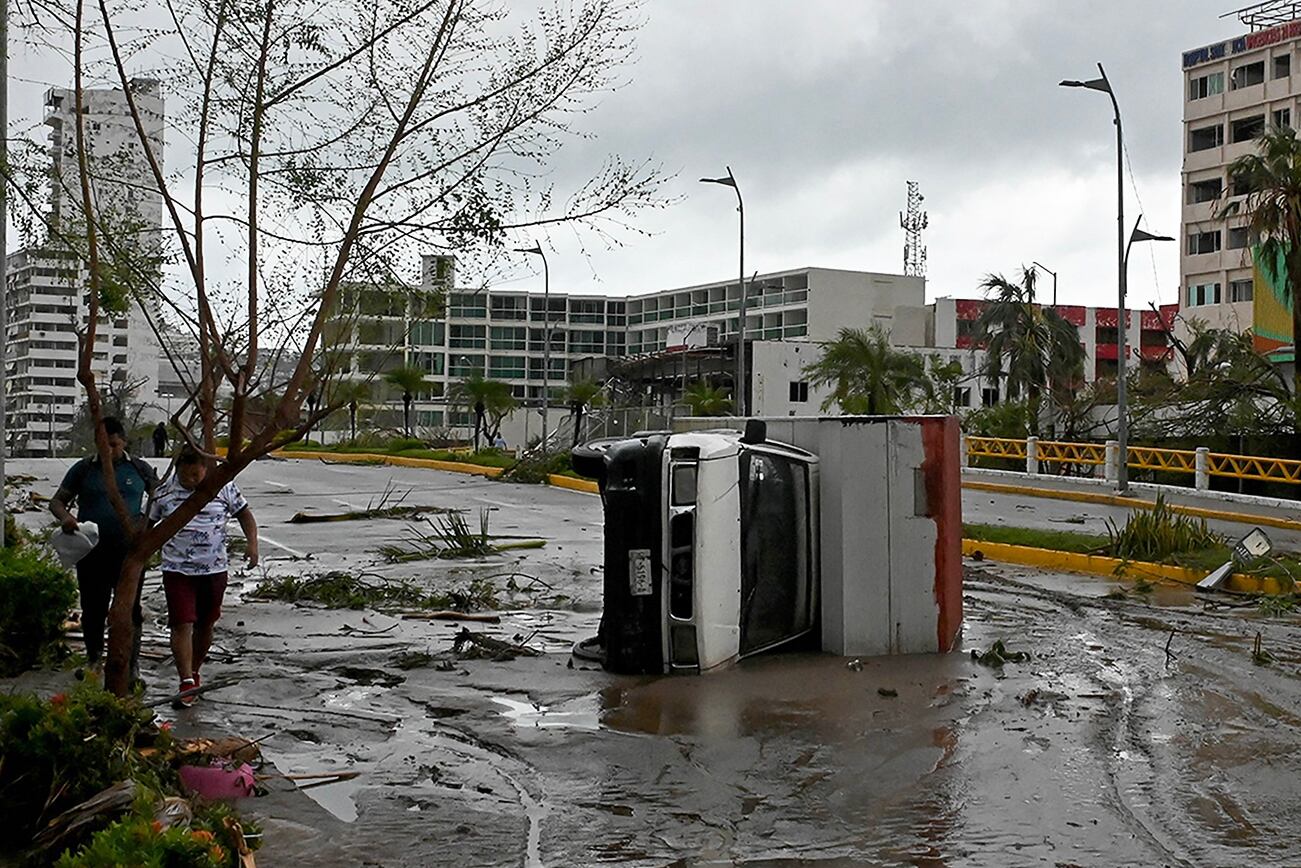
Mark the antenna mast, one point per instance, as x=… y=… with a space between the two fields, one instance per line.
x=914 y=252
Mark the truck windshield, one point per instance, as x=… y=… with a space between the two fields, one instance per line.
x=775 y=574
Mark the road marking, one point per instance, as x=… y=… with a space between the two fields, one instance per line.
x=498 y=502
x=295 y=552
x=341 y=502
x=277 y=484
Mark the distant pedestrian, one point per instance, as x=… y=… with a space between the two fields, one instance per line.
x=195 y=564
x=160 y=440
x=99 y=571
x=499 y=442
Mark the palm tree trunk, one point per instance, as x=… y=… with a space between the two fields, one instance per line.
x=1293 y=261
x=406 y=412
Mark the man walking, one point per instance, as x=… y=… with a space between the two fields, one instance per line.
x=98 y=572
x=160 y=440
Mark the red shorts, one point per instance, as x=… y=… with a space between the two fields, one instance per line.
x=193 y=599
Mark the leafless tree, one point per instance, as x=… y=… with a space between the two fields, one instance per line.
x=325 y=144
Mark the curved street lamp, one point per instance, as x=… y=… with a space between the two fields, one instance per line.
x=1122 y=427
x=730 y=181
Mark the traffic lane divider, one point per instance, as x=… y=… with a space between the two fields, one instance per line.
x=1100 y=565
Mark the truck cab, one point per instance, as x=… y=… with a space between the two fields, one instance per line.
x=711 y=547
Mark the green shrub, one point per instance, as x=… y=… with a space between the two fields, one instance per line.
x=59 y=752
x=36 y=595
x=1159 y=533
x=137 y=839
x=12 y=535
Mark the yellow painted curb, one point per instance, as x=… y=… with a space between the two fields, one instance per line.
x=395 y=460
x=1133 y=503
x=1099 y=565
x=584 y=485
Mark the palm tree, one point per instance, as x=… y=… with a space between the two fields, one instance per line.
x=410 y=380
x=350 y=394
x=491 y=401
x=867 y=375
x=580 y=395
x=1031 y=347
x=1272 y=178
x=707 y=400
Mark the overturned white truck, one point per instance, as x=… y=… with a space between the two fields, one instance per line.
x=840 y=533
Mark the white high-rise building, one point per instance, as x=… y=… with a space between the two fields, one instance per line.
x=46 y=292
x=1233 y=92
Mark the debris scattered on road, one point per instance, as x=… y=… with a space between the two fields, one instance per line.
x=1259 y=655
x=888 y=692
x=452 y=615
x=998 y=654
x=451 y=537
x=480 y=646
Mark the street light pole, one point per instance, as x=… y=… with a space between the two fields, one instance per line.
x=4 y=255
x=546 y=335
x=1122 y=425
x=1054 y=277
x=730 y=181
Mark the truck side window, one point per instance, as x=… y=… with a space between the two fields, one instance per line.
x=775 y=574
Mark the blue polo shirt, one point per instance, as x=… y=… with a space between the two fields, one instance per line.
x=84 y=480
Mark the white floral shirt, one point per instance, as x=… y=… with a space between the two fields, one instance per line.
x=199 y=548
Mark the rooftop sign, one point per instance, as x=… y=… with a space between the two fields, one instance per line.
x=1250 y=42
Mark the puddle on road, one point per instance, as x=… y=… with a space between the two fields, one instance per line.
x=582 y=713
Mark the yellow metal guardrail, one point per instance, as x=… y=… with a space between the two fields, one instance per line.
x=1224 y=465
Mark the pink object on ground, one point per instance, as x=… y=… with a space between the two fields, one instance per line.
x=218 y=782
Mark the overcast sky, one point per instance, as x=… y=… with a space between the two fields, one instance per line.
x=825 y=108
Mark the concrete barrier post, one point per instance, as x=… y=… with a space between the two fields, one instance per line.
x=1032 y=456
x=1202 y=468
x=962 y=451
x=1111 y=470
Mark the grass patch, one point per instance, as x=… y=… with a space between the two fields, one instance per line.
x=1057 y=540
x=340 y=590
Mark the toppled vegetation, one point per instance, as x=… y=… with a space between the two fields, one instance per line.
x=1159 y=533
x=36 y=595
x=450 y=536
x=534 y=469
x=340 y=590
x=89 y=779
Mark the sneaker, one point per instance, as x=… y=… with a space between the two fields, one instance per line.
x=185 y=695
x=198 y=682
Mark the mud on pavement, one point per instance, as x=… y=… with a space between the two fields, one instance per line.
x=1139 y=729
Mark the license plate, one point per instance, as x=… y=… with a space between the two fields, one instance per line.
x=639 y=573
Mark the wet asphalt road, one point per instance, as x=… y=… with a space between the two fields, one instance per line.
x=1102 y=749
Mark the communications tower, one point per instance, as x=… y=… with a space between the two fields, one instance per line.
x=913 y=222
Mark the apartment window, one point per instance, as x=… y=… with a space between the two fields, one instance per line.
x=1282 y=65
x=428 y=334
x=1204 y=191
x=464 y=366
x=1246 y=129
x=1206 y=138
x=799 y=392
x=1203 y=242
x=557 y=340
x=466 y=337
x=966 y=328
x=468 y=305
x=1237 y=238
x=1239 y=187
x=583 y=341
x=587 y=310
x=506 y=367
x=1241 y=290
x=508 y=307
x=1283 y=118
x=1247 y=75
x=988 y=397
x=1106 y=334
x=961 y=396
x=1203 y=293
x=508 y=337
x=1206 y=85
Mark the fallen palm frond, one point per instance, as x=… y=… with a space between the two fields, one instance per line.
x=357 y=514
x=451 y=537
